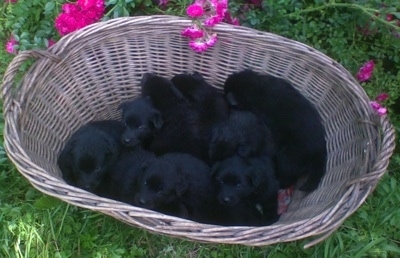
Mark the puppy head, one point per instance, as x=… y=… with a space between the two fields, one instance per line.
x=159 y=186
x=159 y=88
x=92 y=156
x=235 y=179
x=141 y=121
x=236 y=88
x=223 y=143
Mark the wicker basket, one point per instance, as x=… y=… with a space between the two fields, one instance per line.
x=87 y=74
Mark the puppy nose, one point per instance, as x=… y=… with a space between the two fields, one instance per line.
x=226 y=200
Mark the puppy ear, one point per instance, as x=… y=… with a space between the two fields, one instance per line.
x=112 y=149
x=65 y=161
x=181 y=187
x=157 y=120
x=231 y=99
x=145 y=78
x=122 y=106
x=197 y=76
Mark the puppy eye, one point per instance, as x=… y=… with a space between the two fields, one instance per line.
x=97 y=169
x=238 y=185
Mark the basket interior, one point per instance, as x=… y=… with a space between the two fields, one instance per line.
x=102 y=68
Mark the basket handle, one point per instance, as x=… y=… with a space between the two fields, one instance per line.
x=8 y=94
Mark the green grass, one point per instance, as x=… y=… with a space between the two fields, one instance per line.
x=35 y=225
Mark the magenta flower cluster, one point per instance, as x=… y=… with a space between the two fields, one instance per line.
x=364 y=74
x=205 y=15
x=377 y=104
x=11 y=45
x=77 y=15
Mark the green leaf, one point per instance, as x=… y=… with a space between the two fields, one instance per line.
x=46 y=202
x=49 y=6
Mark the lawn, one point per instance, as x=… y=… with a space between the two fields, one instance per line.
x=35 y=225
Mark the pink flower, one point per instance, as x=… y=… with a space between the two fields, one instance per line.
x=10 y=45
x=211 y=40
x=87 y=4
x=221 y=8
x=192 y=32
x=229 y=19
x=79 y=15
x=213 y=20
x=365 y=72
x=382 y=97
x=194 y=10
x=198 y=46
x=70 y=8
x=10 y=1
x=50 y=42
x=381 y=110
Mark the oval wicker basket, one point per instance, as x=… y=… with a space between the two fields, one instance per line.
x=87 y=74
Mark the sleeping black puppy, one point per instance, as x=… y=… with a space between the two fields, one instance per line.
x=120 y=183
x=295 y=124
x=177 y=184
x=89 y=153
x=180 y=131
x=250 y=186
x=243 y=134
x=206 y=100
x=142 y=122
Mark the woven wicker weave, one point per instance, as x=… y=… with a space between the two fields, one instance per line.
x=87 y=74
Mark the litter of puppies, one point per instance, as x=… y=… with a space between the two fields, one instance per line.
x=186 y=149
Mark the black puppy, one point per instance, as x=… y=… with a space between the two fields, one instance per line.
x=243 y=134
x=250 y=184
x=120 y=183
x=89 y=153
x=142 y=122
x=207 y=100
x=180 y=131
x=177 y=184
x=294 y=121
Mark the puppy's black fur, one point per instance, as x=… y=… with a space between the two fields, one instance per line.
x=250 y=183
x=142 y=122
x=120 y=183
x=243 y=134
x=180 y=131
x=177 y=184
x=89 y=153
x=293 y=120
x=207 y=100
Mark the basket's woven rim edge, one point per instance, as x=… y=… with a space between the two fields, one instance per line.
x=182 y=21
